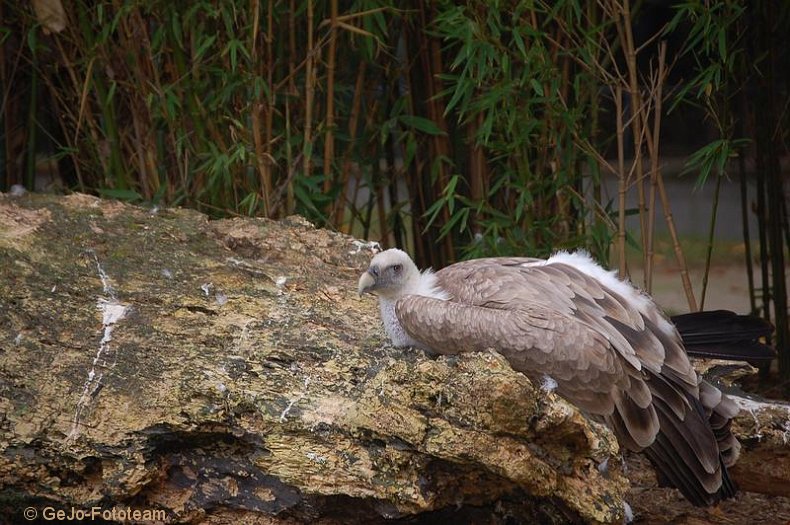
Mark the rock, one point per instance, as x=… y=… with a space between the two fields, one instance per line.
x=226 y=371
x=763 y=427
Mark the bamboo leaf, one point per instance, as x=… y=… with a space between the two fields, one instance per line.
x=421 y=124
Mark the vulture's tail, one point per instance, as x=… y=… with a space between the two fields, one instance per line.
x=721 y=334
x=692 y=454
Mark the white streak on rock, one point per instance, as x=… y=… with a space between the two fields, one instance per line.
x=206 y=287
x=245 y=330
x=112 y=312
x=753 y=407
x=316 y=458
x=284 y=413
x=373 y=246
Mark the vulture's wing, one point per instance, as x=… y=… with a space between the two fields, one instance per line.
x=608 y=347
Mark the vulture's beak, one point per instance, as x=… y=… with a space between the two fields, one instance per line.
x=368 y=281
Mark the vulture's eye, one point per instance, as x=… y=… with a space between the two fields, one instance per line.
x=397 y=268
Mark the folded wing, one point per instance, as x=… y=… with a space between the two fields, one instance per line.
x=608 y=347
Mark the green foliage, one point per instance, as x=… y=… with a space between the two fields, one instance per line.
x=715 y=44
x=505 y=73
x=471 y=125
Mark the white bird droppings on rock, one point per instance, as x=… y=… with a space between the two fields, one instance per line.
x=373 y=246
x=312 y=456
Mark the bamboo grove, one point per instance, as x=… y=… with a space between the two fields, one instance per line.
x=457 y=129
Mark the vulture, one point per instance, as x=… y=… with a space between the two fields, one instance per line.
x=610 y=350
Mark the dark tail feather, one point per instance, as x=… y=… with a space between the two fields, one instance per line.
x=722 y=334
x=678 y=456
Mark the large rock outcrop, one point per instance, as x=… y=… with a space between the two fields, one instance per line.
x=226 y=372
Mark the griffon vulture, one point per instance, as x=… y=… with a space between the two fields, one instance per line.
x=608 y=347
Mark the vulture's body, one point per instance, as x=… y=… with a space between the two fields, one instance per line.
x=607 y=346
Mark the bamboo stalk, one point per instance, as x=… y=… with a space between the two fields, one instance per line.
x=290 y=198
x=684 y=273
x=711 y=232
x=618 y=100
x=151 y=71
x=268 y=185
x=256 y=108
x=653 y=145
x=775 y=201
x=440 y=145
x=309 y=82
x=261 y=158
x=353 y=120
x=637 y=122
x=32 y=126
x=290 y=173
x=745 y=229
x=329 y=137
x=381 y=210
x=765 y=287
x=678 y=249
x=477 y=167
x=415 y=183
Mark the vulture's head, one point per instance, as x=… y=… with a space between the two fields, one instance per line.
x=391 y=274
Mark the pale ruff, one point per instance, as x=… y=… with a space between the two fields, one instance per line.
x=425 y=284
x=392 y=326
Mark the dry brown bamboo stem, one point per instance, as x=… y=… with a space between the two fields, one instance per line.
x=329 y=139
x=416 y=190
x=476 y=166
x=290 y=198
x=618 y=100
x=309 y=82
x=289 y=159
x=268 y=185
x=384 y=231
x=256 y=109
x=436 y=113
x=637 y=123
x=260 y=157
x=684 y=273
x=256 y=21
x=653 y=145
